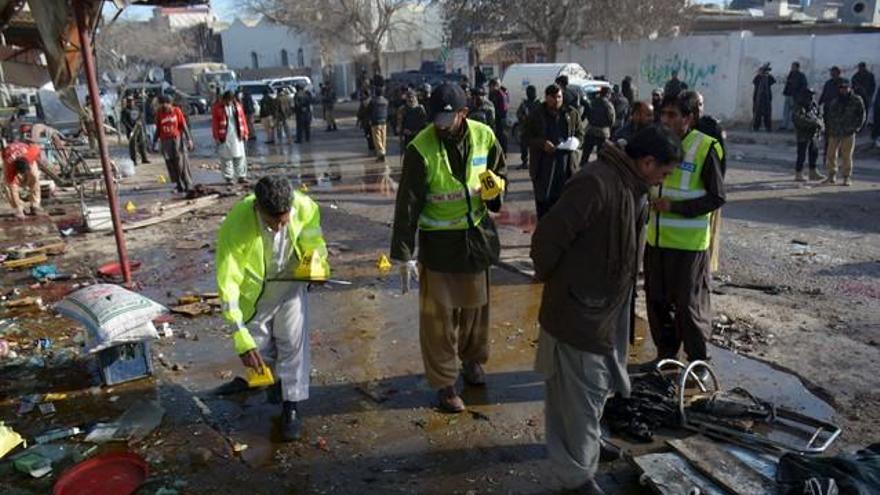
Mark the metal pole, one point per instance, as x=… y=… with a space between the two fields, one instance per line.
x=79 y=7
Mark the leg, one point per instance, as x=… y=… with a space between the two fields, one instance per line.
x=831 y=150
x=308 y=131
x=240 y=164
x=523 y=153
x=380 y=139
x=291 y=336
x=801 y=155
x=15 y=198
x=299 y=129
x=756 y=119
x=142 y=147
x=660 y=317
x=813 y=156
x=437 y=338
x=575 y=397
x=270 y=132
x=132 y=149
x=847 y=146
x=169 y=153
x=226 y=165
x=185 y=172
x=693 y=311
x=473 y=334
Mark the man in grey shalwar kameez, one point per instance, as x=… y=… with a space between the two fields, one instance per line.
x=586 y=251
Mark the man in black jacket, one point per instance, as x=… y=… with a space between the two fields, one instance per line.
x=132 y=122
x=586 y=252
x=547 y=127
x=795 y=84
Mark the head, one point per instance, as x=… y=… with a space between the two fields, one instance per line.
x=674 y=74
x=449 y=106
x=412 y=99
x=863 y=66
x=494 y=84
x=677 y=112
x=129 y=102
x=165 y=103
x=656 y=151
x=835 y=72
x=562 y=81
x=627 y=80
x=273 y=196
x=656 y=97
x=642 y=114
x=553 y=97
x=844 y=88
x=795 y=66
x=228 y=97
x=605 y=92
x=805 y=98
x=531 y=92
x=697 y=100
x=765 y=69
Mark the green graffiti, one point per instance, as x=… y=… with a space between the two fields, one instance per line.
x=658 y=71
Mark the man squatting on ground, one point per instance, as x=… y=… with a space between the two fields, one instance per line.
x=259 y=246
x=440 y=196
x=586 y=308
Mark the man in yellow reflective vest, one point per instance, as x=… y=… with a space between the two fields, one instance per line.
x=453 y=175
x=677 y=255
x=268 y=249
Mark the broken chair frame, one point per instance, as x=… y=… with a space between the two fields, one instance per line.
x=818 y=434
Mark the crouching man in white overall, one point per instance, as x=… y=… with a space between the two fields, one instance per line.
x=260 y=247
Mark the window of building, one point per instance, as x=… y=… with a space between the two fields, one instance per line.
x=255 y=60
x=285 y=61
x=300 y=58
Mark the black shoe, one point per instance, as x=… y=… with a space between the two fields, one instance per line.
x=145 y=161
x=243 y=181
x=608 y=452
x=291 y=422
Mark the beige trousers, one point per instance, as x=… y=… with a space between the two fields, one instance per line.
x=453 y=323
x=378 y=131
x=269 y=127
x=843 y=145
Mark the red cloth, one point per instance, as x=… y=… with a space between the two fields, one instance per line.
x=171 y=124
x=219 y=123
x=16 y=150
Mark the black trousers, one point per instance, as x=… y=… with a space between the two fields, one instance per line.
x=678 y=303
x=803 y=149
x=591 y=142
x=762 y=115
x=303 y=128
x=137 y=145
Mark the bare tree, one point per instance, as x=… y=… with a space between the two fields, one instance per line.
x=549 y=22
x=349 y=22
x=130 y=47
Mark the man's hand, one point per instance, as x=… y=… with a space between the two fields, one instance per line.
x=662 y=205
x=189 y=144
x=253 y=359
x=549 y=147
x=409 y=271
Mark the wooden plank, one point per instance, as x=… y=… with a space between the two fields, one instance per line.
x=722 y=467
x=670 y=474
x=171 y=212
x=26 y=262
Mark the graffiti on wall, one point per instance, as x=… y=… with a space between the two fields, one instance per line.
x=658 y=70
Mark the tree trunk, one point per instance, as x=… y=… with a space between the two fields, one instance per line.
x=376 y=58
x=551 y=46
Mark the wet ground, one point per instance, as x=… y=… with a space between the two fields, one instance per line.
x=370 y=424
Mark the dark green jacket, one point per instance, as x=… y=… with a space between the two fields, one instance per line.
x=845 y=116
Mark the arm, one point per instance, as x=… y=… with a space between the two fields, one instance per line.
x=229 y=276
x=713 y=180
x=496 y=164
x=533 y=133
x=558 y=229
x=184 y=127
x=408 y=206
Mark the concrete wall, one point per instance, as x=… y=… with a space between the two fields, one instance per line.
x=267 y=40
x=722 y=66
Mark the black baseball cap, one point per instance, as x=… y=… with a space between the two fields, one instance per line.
x=446 y=100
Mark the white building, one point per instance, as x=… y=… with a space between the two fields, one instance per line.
x=261 y=44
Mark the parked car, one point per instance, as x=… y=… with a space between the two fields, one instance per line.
x=290 y=82
x=198 y=105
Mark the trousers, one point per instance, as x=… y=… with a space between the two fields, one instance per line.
x=378 y=133
x=803 y=148
x=844 y=146
x=279 y=328
x=235 y=167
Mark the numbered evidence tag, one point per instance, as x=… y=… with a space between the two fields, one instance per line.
x=492 y=185
x=312 y=267
x=261 y=378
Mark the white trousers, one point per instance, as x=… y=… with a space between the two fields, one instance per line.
x=234 y=168
x=280 y=330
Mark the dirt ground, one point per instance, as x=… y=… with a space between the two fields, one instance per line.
x=795 y=300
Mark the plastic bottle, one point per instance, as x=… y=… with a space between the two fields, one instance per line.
x=52 y=435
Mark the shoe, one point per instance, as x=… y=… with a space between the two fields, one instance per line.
x=449 y=400
x=847 y=181
x=291 y=422
x=830 y=180
x=799 y=177
x=380 y=158
x=815 y=175
x=146 y=162
x=19 y=214
x=703 y=375
x=473 y=374
x=608 y=452
x=589 y=488
x=243 y=181
x=229 y=182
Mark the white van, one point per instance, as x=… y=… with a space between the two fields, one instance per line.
x=519 y=76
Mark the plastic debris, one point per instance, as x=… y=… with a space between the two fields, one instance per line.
x=9 y=439
x=162 y=180
x=57 y=434
x=46 y=409
x=103 y=433
x=43 y=344
x=44 y=272
x=34 y=465
x=384 y=264
x=130 y=207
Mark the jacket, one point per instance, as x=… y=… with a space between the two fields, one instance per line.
x=484 y=113
x=795 y=83
x=449 y=251
x=378 y=110
x=220 y=124
x=807 y=124
x=240 y=256
x=268 y=107
x=601 y=118
x=845 y=116
x=550 y=171
x=171 y=125
x=586 y=252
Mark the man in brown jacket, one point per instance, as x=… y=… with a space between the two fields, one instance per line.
x=586 y=251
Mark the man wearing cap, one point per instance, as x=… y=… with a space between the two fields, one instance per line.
x=844 y=119
x=21 y=160
x=453 y=175
x=261 y=246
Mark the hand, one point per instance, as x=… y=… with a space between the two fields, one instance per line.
x=253 y=359
x=154 y=149
x=662 y=205
x=549 y=147
x=409 y=271
x=189 y=144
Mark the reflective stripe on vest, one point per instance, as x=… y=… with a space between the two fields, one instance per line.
x=451 y=204
x=673 y=231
